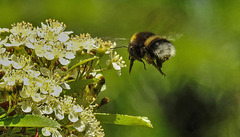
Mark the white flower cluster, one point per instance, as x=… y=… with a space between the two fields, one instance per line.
x=83 y=119
x=28 y=57
x=52 y=42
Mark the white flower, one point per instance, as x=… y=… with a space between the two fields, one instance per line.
x=77 y=108
x=2 y=30
x=65 y=86
x=26 y=106
x=56 y=91
x=39 y=48
x=64 y=61
x=73 y=117
x=5 y=59
x=51 y=84
x=59 y=114
x=49 y=55
x=22 y=29
x=3 y=42
x=116 y=66
x=79 y=125
x=24 y=94
x=31 y=89
x=29 y=45
x=14 y=76
x=47 y=110
x=38 y=97
x=47 y=131
x=116 y=61
x=33 y=73
x=88 y=44
x=21 y=33
x=19 y=62
x=70 y=55
x=63 y=37
x=25 y=81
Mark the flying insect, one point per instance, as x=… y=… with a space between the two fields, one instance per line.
x=153 y=48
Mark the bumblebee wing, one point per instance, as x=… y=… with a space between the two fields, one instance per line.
x=173 y=36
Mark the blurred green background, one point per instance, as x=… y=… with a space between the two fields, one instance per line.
x=199 y=97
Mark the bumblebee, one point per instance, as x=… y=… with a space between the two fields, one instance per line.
x=153 y=48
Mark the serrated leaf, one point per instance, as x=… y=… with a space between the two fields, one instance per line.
x=120 y=119
x=29 y=121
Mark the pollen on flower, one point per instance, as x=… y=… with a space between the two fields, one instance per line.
x=104 y=46
x=22 y=29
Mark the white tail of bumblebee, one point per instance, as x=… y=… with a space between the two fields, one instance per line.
x=165 y=50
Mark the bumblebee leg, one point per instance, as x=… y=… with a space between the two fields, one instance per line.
x=131 y=64
x=159 y=63
x=158 y=68
x=143 y=64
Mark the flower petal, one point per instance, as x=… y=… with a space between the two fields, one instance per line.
x=16 y=65
x=79 y=125
x=77 y=109
x=63 y=37
x=30 y=45
x=64 y=61
x=24 y=94
x=70 y=55
x=56 y=91
x=59 y=114
x=47 y=110
x=116 y=66
x=26 y=107
x=65 y=86
x=73 y=117
x=46 y=132
x=49 y=56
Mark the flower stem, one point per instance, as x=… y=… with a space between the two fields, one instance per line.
x=8 y=112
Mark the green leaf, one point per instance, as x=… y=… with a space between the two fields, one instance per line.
x=29 y=121
x=120 y=119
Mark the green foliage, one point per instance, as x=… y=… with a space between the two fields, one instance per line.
x=120 y=119
x=29 y=121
